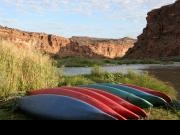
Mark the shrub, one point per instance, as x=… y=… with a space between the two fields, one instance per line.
x=97 y=71
x=22 y=70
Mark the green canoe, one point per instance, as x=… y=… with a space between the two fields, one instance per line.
x=125 y=95
x=155 y=100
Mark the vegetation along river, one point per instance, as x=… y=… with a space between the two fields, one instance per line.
x=169 y=73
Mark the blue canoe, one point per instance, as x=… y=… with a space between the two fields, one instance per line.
x=54 y=107
x=125 y=95
x=155 y=100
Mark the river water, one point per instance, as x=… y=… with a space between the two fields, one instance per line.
x=169 y=73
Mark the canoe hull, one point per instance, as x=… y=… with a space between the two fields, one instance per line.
x=155 y=100
x=55 y=107
x=114 y=105
x=122 y=94
x=153 y=92
x=80 y=96
x=122 y=102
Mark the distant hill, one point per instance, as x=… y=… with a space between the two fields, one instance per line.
x=63 y=47
x=95 y=41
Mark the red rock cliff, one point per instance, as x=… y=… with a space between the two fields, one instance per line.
x=46 y=43
x=96 y=47
x=63 y=47
x=161 y=37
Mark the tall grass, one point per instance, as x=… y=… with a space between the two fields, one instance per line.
x=22 y=70
x=140 y=79
x=97 y=71
x=74 y=81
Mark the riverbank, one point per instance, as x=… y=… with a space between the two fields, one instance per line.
x=169 y=75
x=90 y=62
x=97 y=76
x=24 y=70
x=138 y=68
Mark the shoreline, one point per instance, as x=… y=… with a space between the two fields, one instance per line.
x=90 y=62
x=7 y=108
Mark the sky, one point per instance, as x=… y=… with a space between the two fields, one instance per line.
x=95 y=18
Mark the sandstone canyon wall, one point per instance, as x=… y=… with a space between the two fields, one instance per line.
x=161 y=37
x=63 y=47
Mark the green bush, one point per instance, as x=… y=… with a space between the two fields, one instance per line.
x=74 y=81
x=22 y=70
x=97 y=71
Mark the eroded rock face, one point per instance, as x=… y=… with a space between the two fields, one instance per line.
x=161 y=37
x=46 y=43
x=63 y=47
x=96 y=47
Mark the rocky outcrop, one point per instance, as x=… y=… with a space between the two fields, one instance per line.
x=97 y=47
x=47 y=43
x=161 y=37
x=63 y=47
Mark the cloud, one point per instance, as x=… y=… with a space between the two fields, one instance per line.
x=115 y=8
x=87 y=6
x=98 y=17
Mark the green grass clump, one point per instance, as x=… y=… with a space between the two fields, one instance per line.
x=74 y=81
x=22 y=70
x=145 y=80
x=163 y=114
x=97 y=71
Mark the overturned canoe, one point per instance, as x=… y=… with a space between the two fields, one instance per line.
x=155 y=100
x=80 y=96
x=125 y=95
x=150 y=91
x=55 y=107
x=112 y=104
x=137 y=110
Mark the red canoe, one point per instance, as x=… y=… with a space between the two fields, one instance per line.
x=82 y=97
x=150 y=91
x=122 y=102
x=114 y=105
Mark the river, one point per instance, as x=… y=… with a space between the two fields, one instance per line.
x=169 y=73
